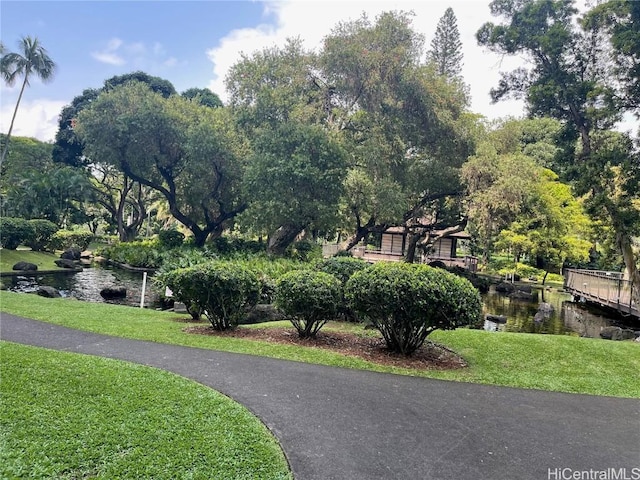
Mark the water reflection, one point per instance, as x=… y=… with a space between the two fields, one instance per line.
x=566 y=317
x=86 y=285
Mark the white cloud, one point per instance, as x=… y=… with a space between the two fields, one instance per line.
x=35 y=118
x=313 y=20
x=109 y=54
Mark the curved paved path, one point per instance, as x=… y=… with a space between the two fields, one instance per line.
x=346 y=424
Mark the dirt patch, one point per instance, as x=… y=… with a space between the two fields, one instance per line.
x=431 y=356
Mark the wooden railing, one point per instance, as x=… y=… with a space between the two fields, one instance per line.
x=609 y=289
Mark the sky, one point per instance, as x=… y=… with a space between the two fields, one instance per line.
x=194 y=43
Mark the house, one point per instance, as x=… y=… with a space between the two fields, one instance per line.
x=391 y=246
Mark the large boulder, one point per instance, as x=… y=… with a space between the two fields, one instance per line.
x=545 y=310
x=65 y=263
x=49 y=292
x=505 y=287
x=617 y=333
x=25 y=267
x=113 y=292
x=496 y=318
x=71 y=254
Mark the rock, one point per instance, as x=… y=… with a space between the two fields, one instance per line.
x=71 y=254
x=520 y=295
x=546 y=308
x=525 y=288
x=617 y=333
x=49 y=292
x=113 y=292
x=263 y=313
x=179 y=307
x=505 y=287
x=25 y=266
x=496 y=318
x=65 y=263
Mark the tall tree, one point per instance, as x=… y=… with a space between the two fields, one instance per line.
x=572 y=79
x=189 y=153
x=32 y=59
x=405 y=127
x=446 y=48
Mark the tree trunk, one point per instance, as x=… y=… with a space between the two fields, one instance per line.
x=282 y=238
x=630 y=262
x=13 y=119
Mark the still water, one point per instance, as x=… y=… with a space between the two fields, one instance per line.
x=567 y=317
x=86 y=285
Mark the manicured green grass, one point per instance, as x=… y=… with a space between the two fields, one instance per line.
x=547 y=362
x=70 y=416
x=44 y=260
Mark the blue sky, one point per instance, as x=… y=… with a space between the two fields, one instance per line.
x=194 y=43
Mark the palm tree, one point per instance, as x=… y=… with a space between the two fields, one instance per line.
x=32 y=60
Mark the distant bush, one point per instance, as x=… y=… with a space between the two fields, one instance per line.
x=64 y=239
x=43 y=230
x=222 y=290
x=309 y=299
x=142 y=254
x=407 y=302
x=226 y=246
x=171 y=238
x=304 y=251
x=343 y=268
x=14 y=232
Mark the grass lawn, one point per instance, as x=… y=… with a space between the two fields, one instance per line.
x=70 y=416
x=44 y=260
x=546 y=362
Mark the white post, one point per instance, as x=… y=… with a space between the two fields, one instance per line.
x=144 y=288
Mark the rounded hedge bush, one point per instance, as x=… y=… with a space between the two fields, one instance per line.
x=223 y=291
x=14 y=232
x=309 y=299
x=343 y=268
x=43 y=230
x=64 y=239
x=407 y=302
x=171 y=238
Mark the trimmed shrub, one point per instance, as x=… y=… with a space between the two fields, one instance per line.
x=43 y=230
x=142 y=254
x=14 y=232
x=222 y=290
x=65 y=239
x=171 y=238
x=407 y=302
x=343 y=268
x=309 y=299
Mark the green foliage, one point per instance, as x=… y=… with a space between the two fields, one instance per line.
x=170 y=238
x=407 y=302
x=64 y=239
x=222 y=290
x=446 y=48
x=14 y=232
x=343 y=268
x=309 y=299
x=43 y=230
x=304 y=251
x=144 y=254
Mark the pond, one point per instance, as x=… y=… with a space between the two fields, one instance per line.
x=86 y=285
x=567 y=317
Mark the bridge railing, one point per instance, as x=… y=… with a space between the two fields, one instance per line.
x=606 y=288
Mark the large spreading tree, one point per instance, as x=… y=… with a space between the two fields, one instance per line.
x=189 y=153
x=571 y=77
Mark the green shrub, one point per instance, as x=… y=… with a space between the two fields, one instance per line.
x=64 y=239
x=304 y=251
x=14 y=232
x=43 y=230
x=141 y=254
x=343 y=268
x=309 y=299
x=222 y=290
x=170 y=238
x=407 y=302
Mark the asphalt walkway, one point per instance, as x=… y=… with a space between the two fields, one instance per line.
x=346 y=424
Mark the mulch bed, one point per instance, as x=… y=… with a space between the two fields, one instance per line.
x=431 y=356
